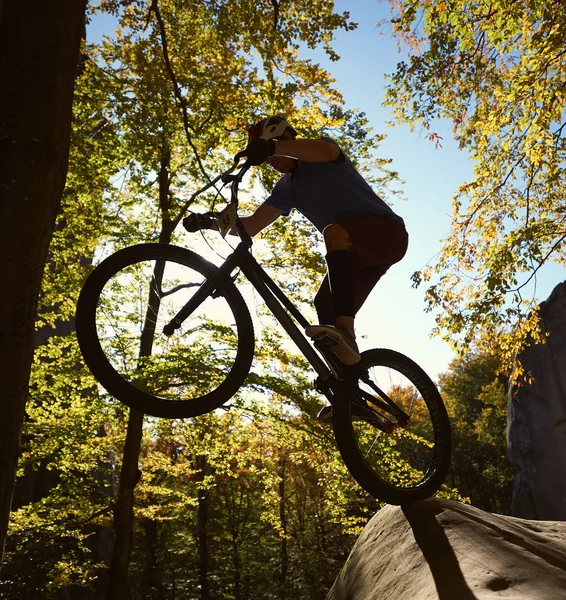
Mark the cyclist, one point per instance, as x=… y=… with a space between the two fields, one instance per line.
x=362 y=235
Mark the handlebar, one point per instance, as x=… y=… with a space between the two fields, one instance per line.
x=226 y=219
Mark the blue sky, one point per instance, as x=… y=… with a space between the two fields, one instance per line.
x=394 y=314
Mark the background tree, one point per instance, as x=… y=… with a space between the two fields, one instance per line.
x=476 y=399
x=163 y=121
x=67 y=448
x=147 y=61
x=497 y=71
x=39 y=46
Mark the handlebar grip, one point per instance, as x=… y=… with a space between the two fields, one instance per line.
x=197 y=221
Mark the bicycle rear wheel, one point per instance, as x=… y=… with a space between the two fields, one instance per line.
x=397 y=453
x=122 y=308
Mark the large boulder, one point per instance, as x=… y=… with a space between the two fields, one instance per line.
x=441 y=549
x=537 y=420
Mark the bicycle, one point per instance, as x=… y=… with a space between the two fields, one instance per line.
x=167 y=332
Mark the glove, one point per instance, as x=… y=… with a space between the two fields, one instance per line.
x=258 y=151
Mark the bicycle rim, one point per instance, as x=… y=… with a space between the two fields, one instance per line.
x=124 y=306
x=396 y=456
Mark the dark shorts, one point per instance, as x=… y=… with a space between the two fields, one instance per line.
x=377 y=243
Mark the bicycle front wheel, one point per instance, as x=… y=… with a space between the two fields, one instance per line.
x=394 y=434
x=121 y=312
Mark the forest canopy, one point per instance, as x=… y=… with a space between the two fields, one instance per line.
x=235 y=500
x=496 y=70
x=253 y=500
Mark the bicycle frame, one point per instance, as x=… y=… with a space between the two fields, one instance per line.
x=277 y=302
x=281 y=308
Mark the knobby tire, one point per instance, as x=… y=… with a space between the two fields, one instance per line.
x=379 y=480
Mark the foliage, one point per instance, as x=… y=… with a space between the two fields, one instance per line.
x=65 y=479
x=159 y=107
x=262 y=483
x=96 y=156
x=240 y=459
x=476 y=399
x=496 y=70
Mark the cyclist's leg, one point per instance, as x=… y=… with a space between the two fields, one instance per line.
x=335 y=300
x=377 y=244
x=324 y=304
x=366 y=280
x=359 y=252
x=341 y=274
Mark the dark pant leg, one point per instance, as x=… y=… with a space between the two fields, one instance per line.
x=324 y=304
x=378 y=243
x=366 y=280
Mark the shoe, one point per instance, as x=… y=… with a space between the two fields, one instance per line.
x=337 y=340
x=359 y=413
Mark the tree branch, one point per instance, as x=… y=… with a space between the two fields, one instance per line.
x=176 y=88
x=275 y=14
x=541 y=263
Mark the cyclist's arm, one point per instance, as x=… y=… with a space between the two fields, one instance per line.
x=308 y=150
x=264 y=215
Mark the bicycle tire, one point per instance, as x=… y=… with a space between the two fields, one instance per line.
x=104 y=360
x=408 y=463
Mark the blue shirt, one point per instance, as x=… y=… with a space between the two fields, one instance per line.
x=328 y=192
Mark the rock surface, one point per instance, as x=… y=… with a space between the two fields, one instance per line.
x=441 y=549
x=537 y=421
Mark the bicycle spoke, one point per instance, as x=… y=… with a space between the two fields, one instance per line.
x=136 y=302
x=393 y=427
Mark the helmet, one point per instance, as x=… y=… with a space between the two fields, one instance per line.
x=270 y=128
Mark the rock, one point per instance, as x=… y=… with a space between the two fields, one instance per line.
x=441 y=549
x=537 y=421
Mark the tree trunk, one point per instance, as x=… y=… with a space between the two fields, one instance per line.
x=202 y=534
x=283 y=517
x=237 y=565
x=155 y=588
x=39 y=46
x=124 y=510
x=130 y=474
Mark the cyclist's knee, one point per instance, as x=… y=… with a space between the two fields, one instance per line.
x=336 y=238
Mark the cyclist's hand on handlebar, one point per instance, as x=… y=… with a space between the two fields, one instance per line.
x=198 y=221
x=258 y=151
